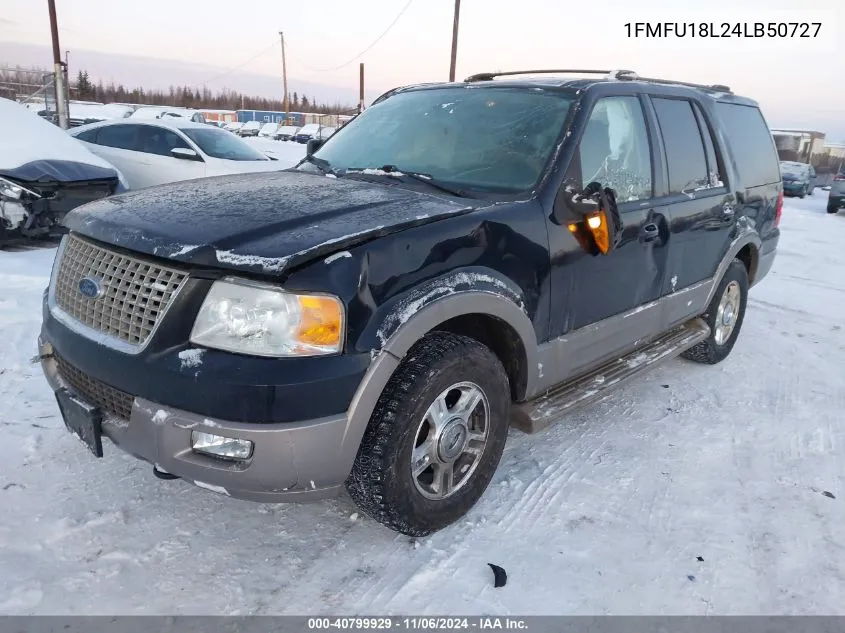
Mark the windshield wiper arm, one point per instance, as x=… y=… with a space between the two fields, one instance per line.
x=321 y=163
x=394 y=172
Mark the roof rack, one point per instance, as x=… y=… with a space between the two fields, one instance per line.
x=621 y=75
x=491 y=76
x=629 y=75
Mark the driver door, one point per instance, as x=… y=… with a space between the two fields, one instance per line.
x=605 y=304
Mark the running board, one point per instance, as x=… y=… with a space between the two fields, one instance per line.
x=536 y=415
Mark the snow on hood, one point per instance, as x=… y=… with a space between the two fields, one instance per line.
x=33 y=147
x=260 y=223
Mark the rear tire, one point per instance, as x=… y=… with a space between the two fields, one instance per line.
x=425 y=436
x=724 y=315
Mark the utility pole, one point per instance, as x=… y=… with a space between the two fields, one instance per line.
x=285 y=79
x=58 y=68
x=455 y=40
x=361 y=90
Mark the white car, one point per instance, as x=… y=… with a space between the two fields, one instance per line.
x=233 y=126
x=158 y=151
x=285 y=132
x=165 y=112
x=250 y=128
x=268 y=130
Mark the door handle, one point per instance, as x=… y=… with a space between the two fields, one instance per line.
x=649 y=232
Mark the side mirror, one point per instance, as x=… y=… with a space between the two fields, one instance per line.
x=185 y=154
x=313 y=145
x=591 y=215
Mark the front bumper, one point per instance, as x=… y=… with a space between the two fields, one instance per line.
x=299 y=461
x=793 y=188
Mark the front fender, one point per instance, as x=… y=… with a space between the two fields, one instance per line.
x=403 y=321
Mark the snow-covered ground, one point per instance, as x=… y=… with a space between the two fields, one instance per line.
x=287 y=153
x=694 y=490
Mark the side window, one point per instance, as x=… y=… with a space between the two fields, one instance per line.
x=752 y=148
x=684 y=145
x=89 y=136
x=118 y=136
x=157 y=140
x=714 y=163
x=614 y=149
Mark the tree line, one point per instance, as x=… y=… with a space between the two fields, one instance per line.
x=16 y=82
x=194 y=97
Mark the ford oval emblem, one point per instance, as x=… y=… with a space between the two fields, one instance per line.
x=90 y=287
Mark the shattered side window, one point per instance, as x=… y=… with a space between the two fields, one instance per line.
x=614 y=150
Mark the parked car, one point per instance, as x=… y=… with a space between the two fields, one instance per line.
x=324 y=133
x=167 y=150
x=466 y=268
x=250 y=128
x=285 y=132
x=799 y=179
x=233 y=126
x=268 y=130
x=836 y=197
x=165 y=112
x=307 y=132
x=44 y=174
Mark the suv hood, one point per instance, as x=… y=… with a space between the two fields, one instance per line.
x=259 y=223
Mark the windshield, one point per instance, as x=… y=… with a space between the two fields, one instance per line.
x=218 y=143
x=493 y=139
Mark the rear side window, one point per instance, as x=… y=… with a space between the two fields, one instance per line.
x=714 y=164
x=118 y=136
x=751 y=144
x=684 y=145
x=89 y=136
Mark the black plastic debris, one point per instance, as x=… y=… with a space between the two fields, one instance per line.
x=500 y=576
x=700 y=559
x=665 y=386
x=829 y=495
x=691 y=578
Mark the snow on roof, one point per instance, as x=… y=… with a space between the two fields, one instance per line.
x=782 y=133
x=27 y=138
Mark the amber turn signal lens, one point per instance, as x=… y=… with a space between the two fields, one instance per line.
x=321 y=322
x=597 y=223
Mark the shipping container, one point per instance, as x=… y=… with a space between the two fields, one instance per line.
x=270 y=116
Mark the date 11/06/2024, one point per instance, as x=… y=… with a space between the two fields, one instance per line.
x=723 y=29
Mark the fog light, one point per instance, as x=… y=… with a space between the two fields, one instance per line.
x=219 y=446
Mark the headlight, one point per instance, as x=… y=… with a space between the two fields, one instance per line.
x=10 y=190
x=247 y=317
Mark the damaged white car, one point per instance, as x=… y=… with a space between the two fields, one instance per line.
x=44 y=173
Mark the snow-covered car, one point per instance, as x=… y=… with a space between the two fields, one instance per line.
x=158 y=151
x=233 y=126
x=44 y=174
x=84 y=113
x=307 y=132
x=164 y=112
x=286 y=133
x=250 y=128
x=268 y=130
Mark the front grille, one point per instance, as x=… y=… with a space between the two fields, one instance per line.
x=109 y=399
x=134 y=292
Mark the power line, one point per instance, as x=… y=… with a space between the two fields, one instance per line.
x=356 y=57
x=239 y=66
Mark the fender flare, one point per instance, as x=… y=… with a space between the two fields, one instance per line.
x=746 y=237
x=427 y=308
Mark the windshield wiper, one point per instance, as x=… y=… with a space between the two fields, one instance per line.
x=321 y=163
x=394 y=172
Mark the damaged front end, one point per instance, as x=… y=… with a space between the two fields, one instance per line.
x=30 y=209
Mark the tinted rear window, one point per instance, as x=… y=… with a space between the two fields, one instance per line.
x=750 y=143
x=684 y=145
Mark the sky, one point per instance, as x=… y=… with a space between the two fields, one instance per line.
x=799 y=82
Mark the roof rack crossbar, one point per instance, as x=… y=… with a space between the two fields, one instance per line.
x=626 y=75
x=491 y=76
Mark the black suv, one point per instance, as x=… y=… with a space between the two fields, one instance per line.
x=458 y=258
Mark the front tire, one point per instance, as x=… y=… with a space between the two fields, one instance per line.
x=832 y=209
x=435 y=437
x=724 y=315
